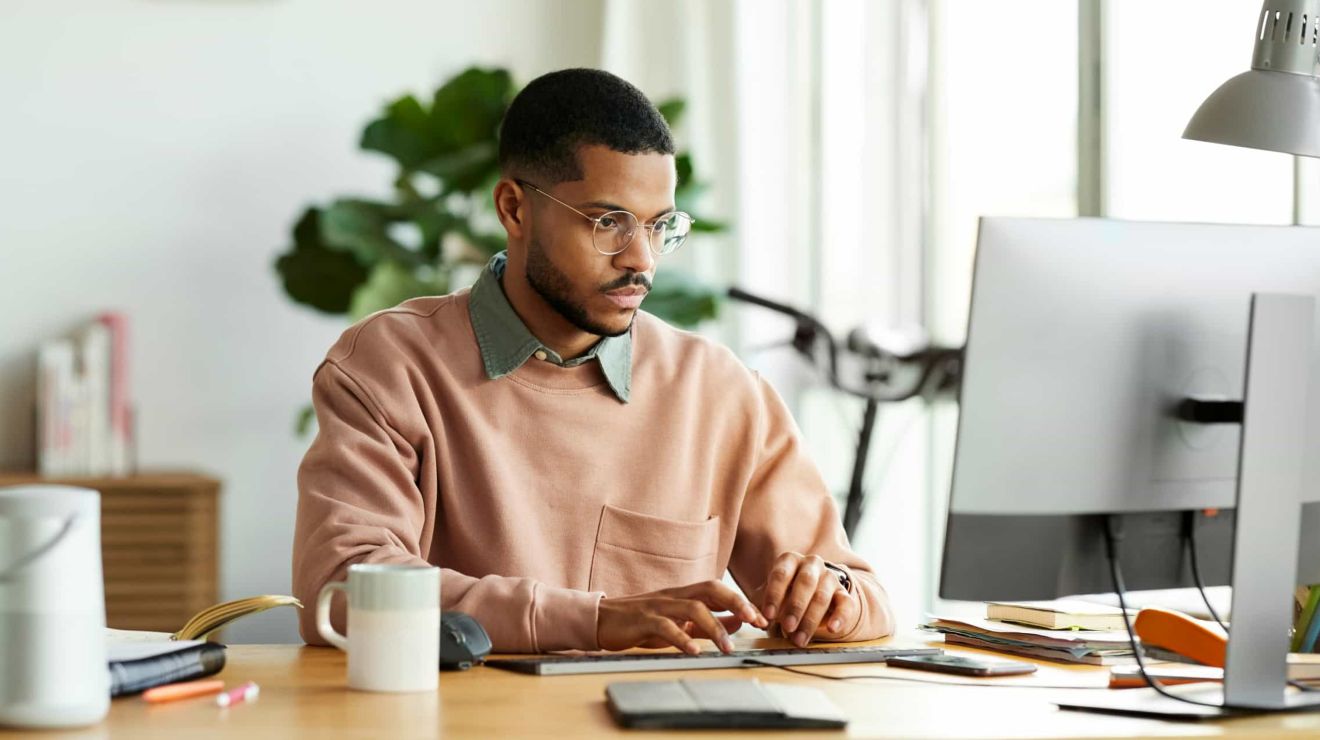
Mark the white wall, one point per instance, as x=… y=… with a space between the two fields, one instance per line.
x=153 y=154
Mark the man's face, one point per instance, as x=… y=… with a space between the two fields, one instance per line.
x=598 y=293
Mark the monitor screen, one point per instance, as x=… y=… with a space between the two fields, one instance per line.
x=1084 y=335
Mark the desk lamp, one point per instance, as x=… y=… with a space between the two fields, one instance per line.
x=1276 y=105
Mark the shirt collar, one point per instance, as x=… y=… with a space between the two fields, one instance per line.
x=506 y=343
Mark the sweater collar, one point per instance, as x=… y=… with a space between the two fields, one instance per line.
x=506 y=343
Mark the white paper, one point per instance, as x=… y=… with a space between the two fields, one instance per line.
x=113 y=635
x=1065 y=606
x=120 y=651
x=1009 y=629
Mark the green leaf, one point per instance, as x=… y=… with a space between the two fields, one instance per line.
x=688 y=191
x=403 y=132
x=468 y=109
x=672 y=110
x=466 y=169
x=316 y=275
x=681 y=299
x=360 y=227
x=433 y=218
x=686 y=198
x=390 y=284
x=303 y=423
x=683 y=164
x=708 y=226
x=308 y=229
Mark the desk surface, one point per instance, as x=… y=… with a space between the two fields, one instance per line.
x=303 y=694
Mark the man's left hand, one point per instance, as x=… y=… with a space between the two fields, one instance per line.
x=806 y=599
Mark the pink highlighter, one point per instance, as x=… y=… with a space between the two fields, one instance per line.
x=244 y=692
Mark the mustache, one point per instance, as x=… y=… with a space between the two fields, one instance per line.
x=627 y=281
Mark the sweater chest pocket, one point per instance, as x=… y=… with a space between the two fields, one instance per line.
x=639 y=553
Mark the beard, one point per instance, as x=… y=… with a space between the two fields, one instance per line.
x=556 y=289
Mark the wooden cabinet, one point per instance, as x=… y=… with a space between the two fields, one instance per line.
x=159 y=545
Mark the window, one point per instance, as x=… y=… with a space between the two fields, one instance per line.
x=873 y=144
x=1004 y=142
x=1161 y=59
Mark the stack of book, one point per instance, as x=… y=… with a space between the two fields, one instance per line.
x=84 y=427
x=1068 y=632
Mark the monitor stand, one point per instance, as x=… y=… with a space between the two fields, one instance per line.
x=1268 y=531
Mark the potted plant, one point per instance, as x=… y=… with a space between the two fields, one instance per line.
x=355 y=256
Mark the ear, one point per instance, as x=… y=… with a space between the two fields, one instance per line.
x=512 y=206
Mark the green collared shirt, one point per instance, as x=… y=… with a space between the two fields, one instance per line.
x=506 y=343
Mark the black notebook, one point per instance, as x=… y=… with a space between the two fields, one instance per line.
x=721 y=704
x=136 y=667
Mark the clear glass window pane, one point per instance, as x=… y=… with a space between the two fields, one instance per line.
x=1004 y=131
x=1161 y=61
x=1004 y=81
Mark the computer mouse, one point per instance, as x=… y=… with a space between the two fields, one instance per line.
x=463 y=642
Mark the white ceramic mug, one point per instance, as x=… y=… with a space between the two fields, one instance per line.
x=393 y=641
x=52 y=608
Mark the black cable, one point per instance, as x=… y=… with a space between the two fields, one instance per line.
x=1114 y=535
x=872 y=676
x=1112 y=538
x=1189 y=532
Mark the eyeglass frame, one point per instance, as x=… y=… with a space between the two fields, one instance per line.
x=595 y=220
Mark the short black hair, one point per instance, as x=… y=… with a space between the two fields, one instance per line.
x=558 y=112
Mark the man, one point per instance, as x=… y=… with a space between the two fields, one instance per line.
x=582 y=472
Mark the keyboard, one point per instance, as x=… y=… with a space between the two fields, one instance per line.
x=569 y=665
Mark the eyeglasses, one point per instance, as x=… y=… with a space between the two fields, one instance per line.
x=612 y=232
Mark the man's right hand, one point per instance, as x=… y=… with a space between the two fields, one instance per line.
x=675 y=616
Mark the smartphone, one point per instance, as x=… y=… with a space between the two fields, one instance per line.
x=962 y=666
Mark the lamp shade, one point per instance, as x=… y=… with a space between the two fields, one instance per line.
x=1276 y=105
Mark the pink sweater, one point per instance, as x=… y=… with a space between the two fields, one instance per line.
x=540 y=492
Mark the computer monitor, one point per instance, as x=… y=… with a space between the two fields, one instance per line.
x=1084 y=338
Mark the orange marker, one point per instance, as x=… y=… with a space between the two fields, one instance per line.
x=187 y=690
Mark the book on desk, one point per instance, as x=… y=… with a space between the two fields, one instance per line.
x=1060 y=614
x=1090 y=647
x=140 y=659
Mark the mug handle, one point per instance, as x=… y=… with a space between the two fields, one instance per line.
x=25 y=560
x=323 y=626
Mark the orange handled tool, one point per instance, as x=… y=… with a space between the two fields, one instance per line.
x=188 y=690
x=1182 y=634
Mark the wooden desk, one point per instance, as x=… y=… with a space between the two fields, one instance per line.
x=303 y=695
